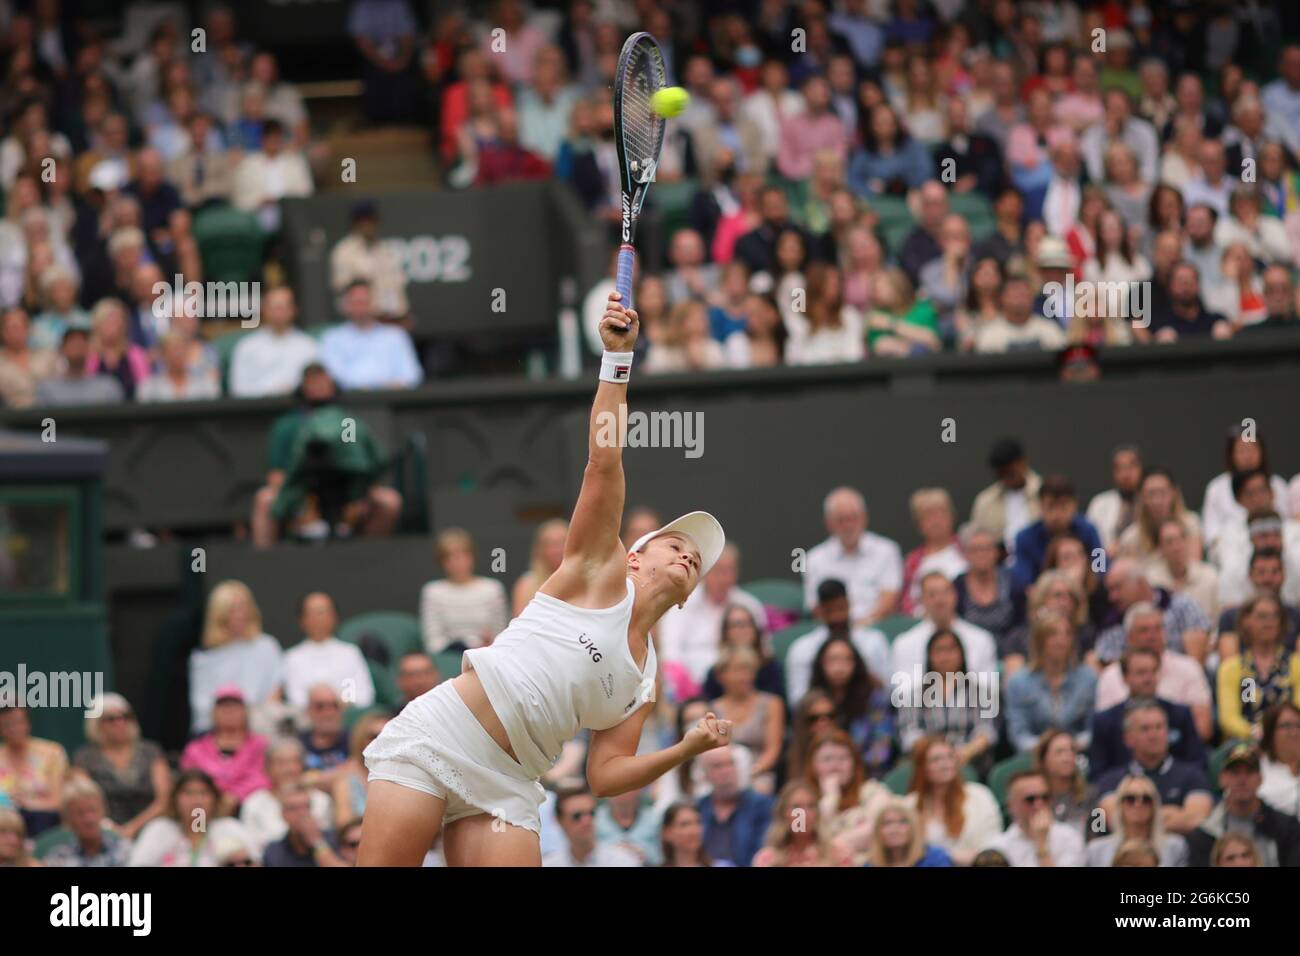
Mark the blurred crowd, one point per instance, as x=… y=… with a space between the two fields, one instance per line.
x=1060 y=679
x=851 y=179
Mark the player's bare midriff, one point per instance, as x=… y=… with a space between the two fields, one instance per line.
x=475 y=697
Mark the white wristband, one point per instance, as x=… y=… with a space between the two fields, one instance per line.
x=616 y=367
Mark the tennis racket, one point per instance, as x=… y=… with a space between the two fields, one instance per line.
x=639 y=134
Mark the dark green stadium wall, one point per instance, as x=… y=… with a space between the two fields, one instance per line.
x=505 y=455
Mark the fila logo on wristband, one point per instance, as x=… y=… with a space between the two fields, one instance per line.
x=616 y=367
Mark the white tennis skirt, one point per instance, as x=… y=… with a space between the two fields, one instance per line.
x=436 y=745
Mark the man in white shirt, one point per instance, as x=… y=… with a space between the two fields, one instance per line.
x=270 y=361
x=1017 y=329
x=1034 y=837
x=575 y=809
x=273 y=173
x=691 y=275
x=1121 y=126
x=321 y=658
x=833 y=611
x=870 y=566
x=1064 y=190
x=1011 y=503
x=361 y=255
x=939 y=599
x=1200 y=249
x=690 y=635
x=1263 y=530
x=1213 y=186
x=1111 y=511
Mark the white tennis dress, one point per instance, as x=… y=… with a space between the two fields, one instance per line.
x=555 y=670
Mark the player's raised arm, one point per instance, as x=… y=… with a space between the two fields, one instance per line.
x=593 y=532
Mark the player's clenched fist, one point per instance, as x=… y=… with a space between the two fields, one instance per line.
x=618 y=326
x=710 y=733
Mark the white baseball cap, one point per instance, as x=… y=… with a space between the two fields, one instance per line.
x=701 y=527
x=109 y=175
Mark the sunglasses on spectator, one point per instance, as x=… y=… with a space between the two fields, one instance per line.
x=1036 y=798
x=1132 y=798
x=577 y=815
x=324 y=705
x=1288 y=725
x=829 y=715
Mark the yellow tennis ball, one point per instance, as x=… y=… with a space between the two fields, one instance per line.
x=670 y=101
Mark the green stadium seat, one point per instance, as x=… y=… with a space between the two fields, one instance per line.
x=385 y=681
x=351 y=715
x=970 y=204
x=1001 y=773
x=230 y=243
x=797 y=191
x=318 y=331
x=894 y=235
x=977 y=211
x=400 y=633
x=397 y=629
x=783 y=638
x=224 y=345
x=895 y=625
x=898 y=778
x=890 y=210
x=448 y=663
x=50 y=840
x=672 y=203
x=778 y=592
x=1216 y=761
x=894 y=220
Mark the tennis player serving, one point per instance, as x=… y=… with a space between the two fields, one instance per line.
x=465 y=758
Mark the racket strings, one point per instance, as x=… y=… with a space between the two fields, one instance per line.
x=642 y=127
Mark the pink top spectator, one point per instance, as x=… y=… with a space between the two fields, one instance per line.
x=803 y=137
x=730 y=229
x=1182 y=681
x=515 y=53
x=1079 y=110
x=239 y=774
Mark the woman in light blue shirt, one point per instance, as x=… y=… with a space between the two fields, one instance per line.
x=890 y=161
x=1055 y=690
x=234 y=650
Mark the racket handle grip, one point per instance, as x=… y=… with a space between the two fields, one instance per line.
x=623 y=281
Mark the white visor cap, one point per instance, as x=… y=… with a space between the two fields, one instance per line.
x=701 y=527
